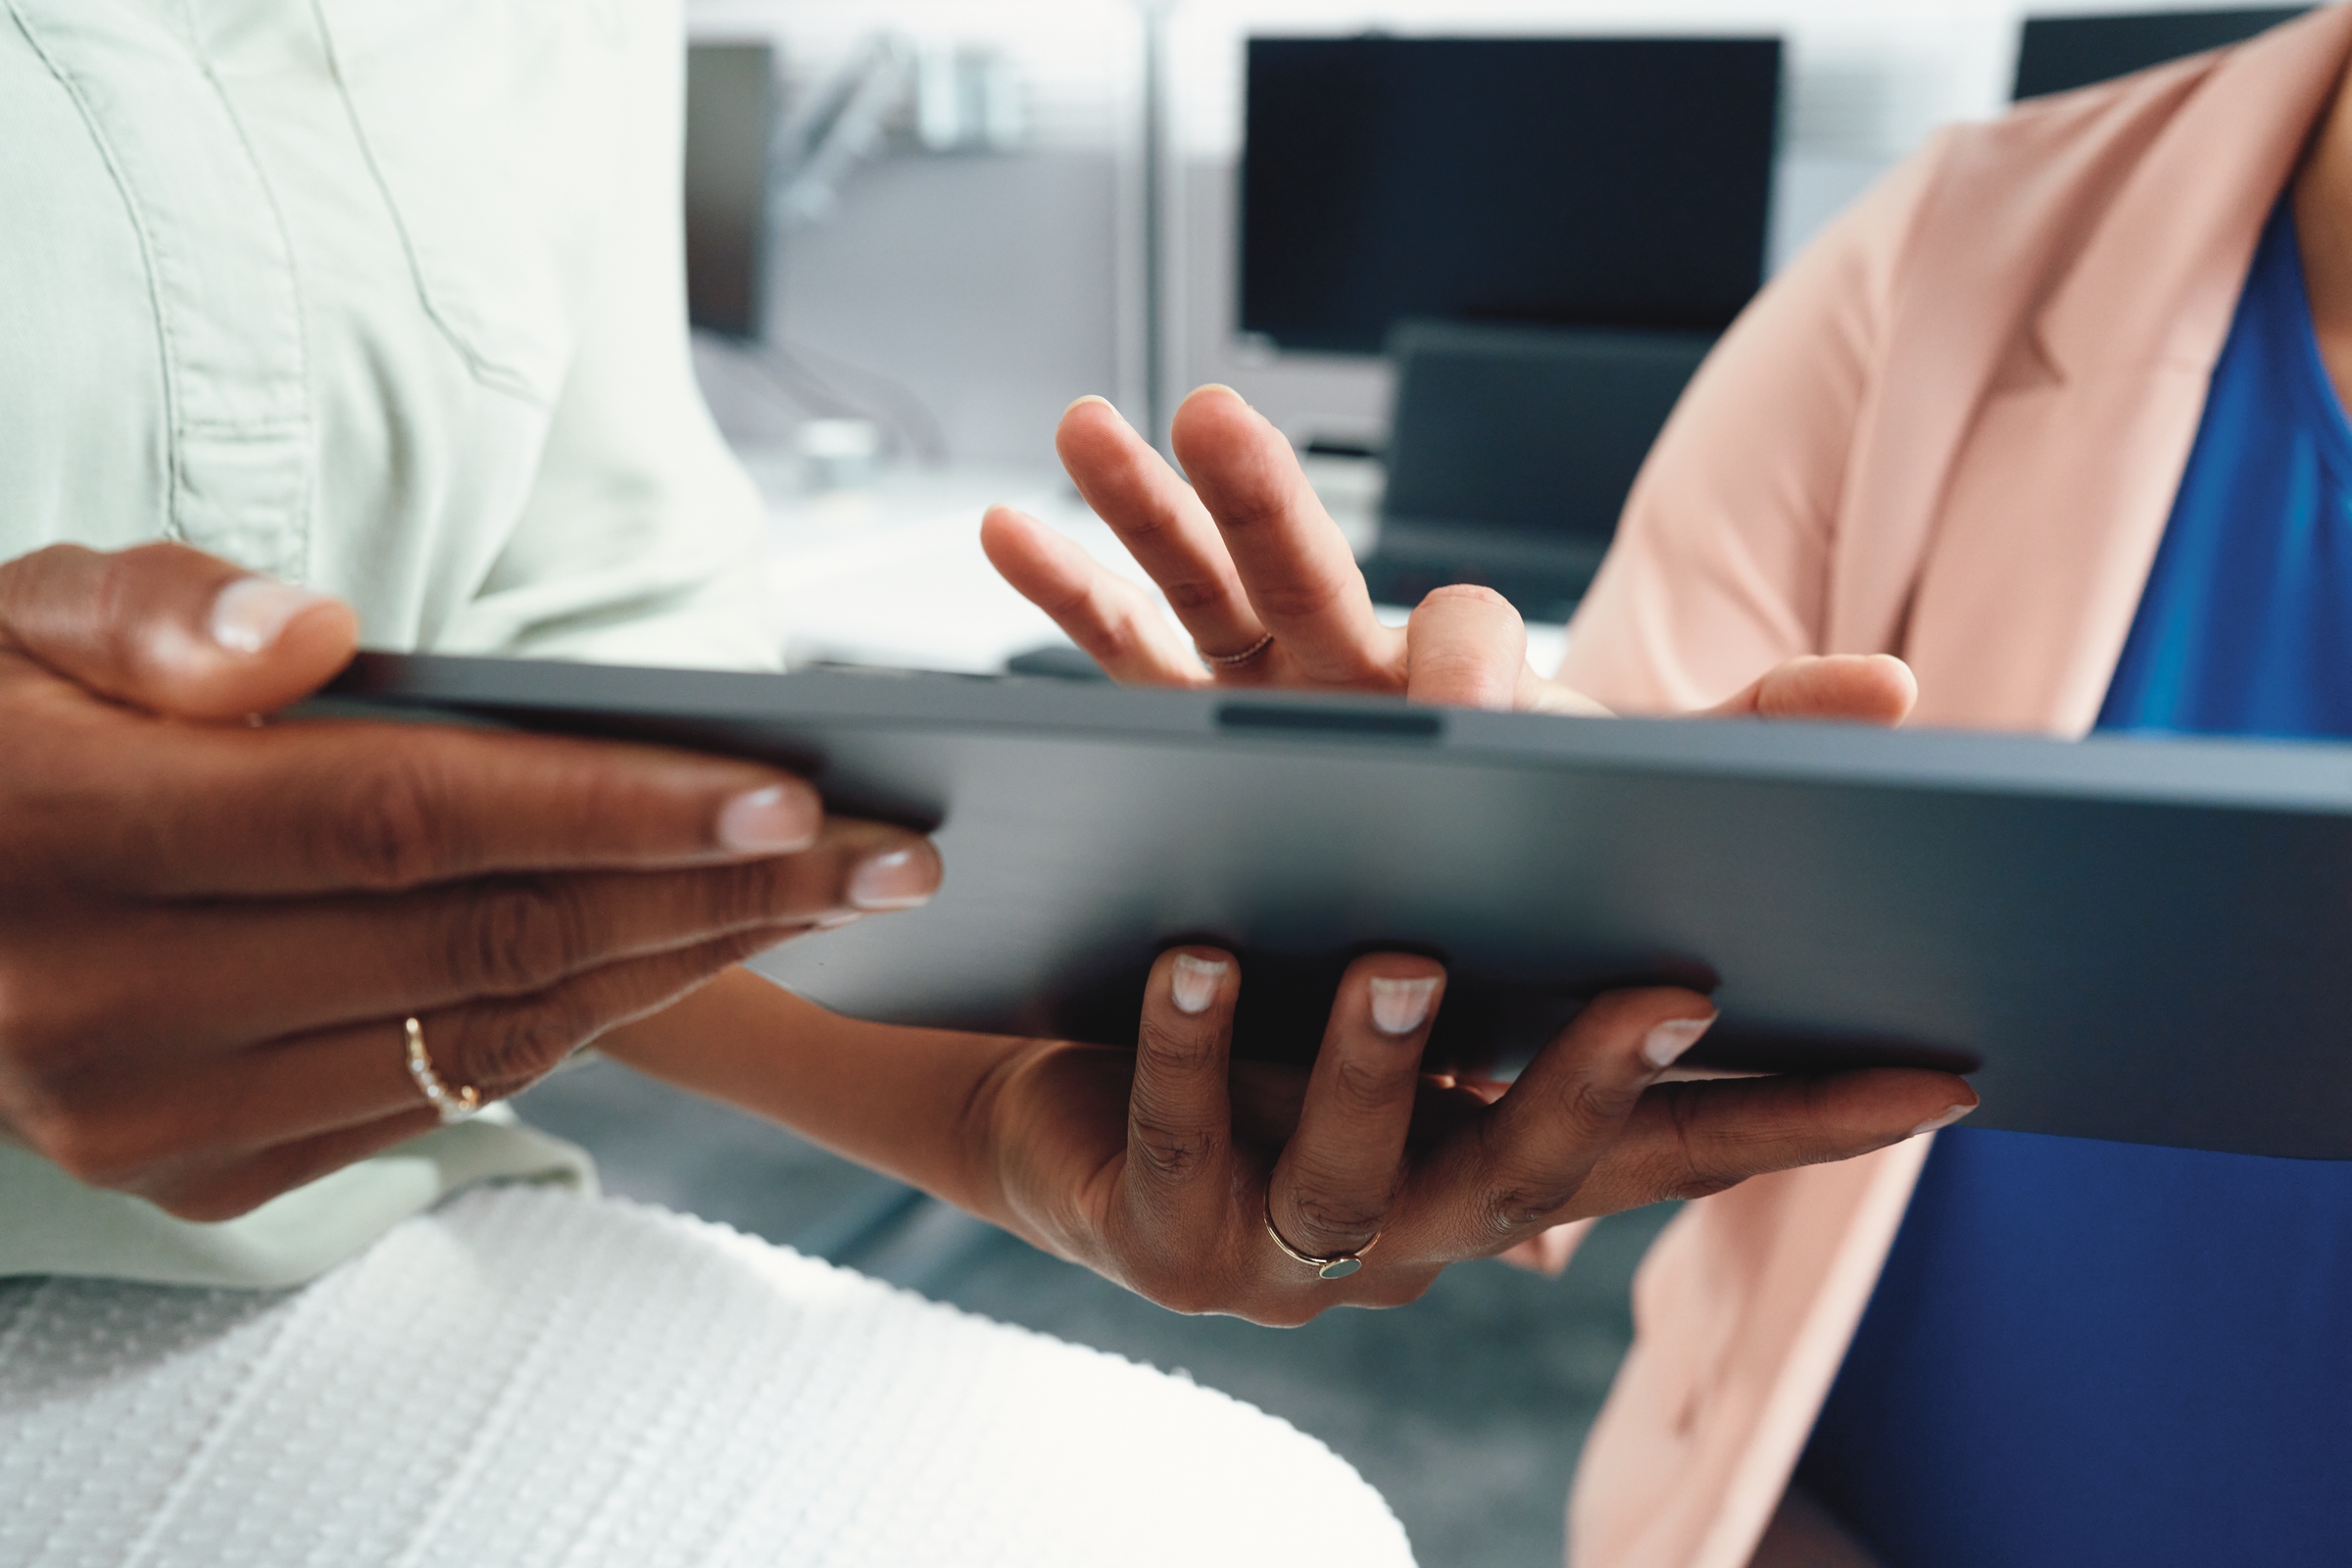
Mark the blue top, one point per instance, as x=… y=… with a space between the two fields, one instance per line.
x=2088 y=1353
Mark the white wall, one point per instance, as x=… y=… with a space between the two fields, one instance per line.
x=1001 y=288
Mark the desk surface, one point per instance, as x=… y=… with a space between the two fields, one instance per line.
x=893 y=574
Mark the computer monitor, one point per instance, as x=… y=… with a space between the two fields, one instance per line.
x=1620 y=182
x=730 y=131
x=2059 y=54
x=1511 y=452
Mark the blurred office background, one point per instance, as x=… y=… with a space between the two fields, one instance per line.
x=921 y=227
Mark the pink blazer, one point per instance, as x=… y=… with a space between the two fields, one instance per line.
x=1952 y=431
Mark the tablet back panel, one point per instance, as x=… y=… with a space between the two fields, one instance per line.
x=2122 y=939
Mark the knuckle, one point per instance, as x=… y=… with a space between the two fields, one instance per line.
x=1359 y=1089
x=1518 y=1207
x=522 y=1044
x=521 y=935
x=1592 y=1108
x=1175 y=1154
x=391 y=828
x=1328 y=1224
x=1195 y=592
x=1070 y=601
x=1701 y=1168
x=1183 y=1052
x=1144 y=524
x=791 y=887
x=1251 y=504
x=1300 y=598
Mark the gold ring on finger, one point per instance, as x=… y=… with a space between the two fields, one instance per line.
x=1327 y=1269
x=452 y=1108
x=1229 y=661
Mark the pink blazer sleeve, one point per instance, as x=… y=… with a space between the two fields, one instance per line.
x=1724 y=559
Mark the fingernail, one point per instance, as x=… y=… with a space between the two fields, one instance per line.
x=776 y=820
x=1937 y=1124
x=1195 y=982
x=1219 y=387
x=834 y=922
x=1090 y=397
x=1669 y=1041
x=1400 y=1006
x=899 y=881
x=250 y=614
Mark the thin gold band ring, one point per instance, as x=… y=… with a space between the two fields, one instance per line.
x=1228 y=660
x=452 y=1108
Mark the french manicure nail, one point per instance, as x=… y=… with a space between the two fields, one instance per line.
x=899 y=881
x=776 y=820
x=1671 y=1040
x=1400 y=1006
x=1937 y=1124
x=1195 y=981
x=250 y=614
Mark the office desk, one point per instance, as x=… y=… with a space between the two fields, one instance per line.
x=891 y=574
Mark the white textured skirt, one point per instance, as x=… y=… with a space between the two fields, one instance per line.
x=526 y=1377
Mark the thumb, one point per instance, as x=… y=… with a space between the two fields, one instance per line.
x=1466 y=647
x=1859 y=688
x=173 y=630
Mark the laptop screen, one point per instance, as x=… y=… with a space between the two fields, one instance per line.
x=1528 y=433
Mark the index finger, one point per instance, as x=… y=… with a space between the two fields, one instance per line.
x=164 y=810
x=1293 y=560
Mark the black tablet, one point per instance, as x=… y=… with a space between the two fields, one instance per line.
x=2145 y=940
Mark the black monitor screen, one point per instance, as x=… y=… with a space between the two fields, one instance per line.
x=2061 y=53
x=1565 y=181
x=730 y=109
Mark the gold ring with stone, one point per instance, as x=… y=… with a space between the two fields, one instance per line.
x=1327 y=1269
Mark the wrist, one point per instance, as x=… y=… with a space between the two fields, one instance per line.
x=987 y=1144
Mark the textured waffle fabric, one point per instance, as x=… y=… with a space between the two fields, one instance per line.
x=527 y=1377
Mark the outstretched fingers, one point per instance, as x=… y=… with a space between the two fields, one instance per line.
x=1161 y=521
x=1111 y=618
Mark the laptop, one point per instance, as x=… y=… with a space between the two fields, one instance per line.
x=1512 y=451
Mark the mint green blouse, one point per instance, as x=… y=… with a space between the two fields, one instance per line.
x=384 y=297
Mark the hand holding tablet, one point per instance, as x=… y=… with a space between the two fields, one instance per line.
x=1271 y=1191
